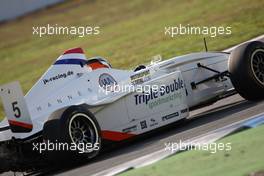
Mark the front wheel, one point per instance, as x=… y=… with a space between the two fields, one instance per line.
x=246 y=67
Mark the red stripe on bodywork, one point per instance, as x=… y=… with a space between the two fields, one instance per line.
x=115 y=135
x=20 y=124
x=74 y=51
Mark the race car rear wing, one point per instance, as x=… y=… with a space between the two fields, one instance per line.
x=15 y=107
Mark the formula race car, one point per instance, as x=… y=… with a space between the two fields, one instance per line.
x=86 y=101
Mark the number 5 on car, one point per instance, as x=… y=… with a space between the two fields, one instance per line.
x=16 y=108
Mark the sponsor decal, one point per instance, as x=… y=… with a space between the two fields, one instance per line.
x=170 y=116
x=165 y=94
x=165 y=99
x=140 y=78
x=130 y=129
x=143 y=124
x=153 y=122
x=57 y=77
x=184 y=110
x=106 y=80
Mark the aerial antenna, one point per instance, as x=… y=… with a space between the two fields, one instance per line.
x=205 y=45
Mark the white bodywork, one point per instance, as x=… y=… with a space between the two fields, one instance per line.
x=65 y=85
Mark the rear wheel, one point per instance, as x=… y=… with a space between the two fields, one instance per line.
x=246 y=67
x=79 y=130
x=83 y=131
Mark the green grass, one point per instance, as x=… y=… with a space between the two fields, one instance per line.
x=245 y=157
x=131 y=32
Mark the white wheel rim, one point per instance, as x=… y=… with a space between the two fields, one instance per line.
x=82 y=132
x=257 y=65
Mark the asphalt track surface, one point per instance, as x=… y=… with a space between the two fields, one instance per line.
x=201 y=121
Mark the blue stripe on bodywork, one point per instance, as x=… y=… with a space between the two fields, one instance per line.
x=70 y=61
